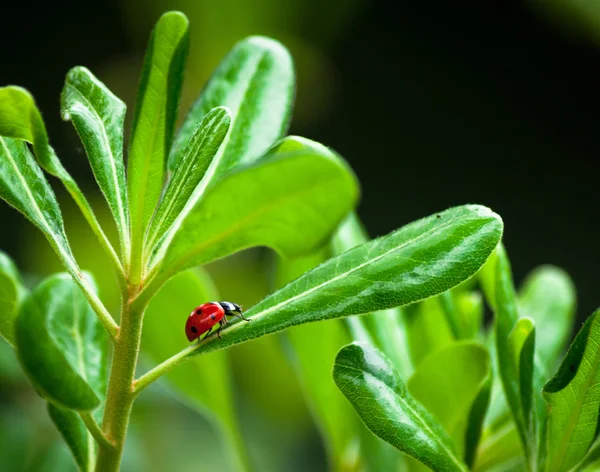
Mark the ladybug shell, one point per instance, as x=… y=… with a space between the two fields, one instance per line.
x=202 y=319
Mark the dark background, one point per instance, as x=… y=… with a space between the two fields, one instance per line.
x=433 y=104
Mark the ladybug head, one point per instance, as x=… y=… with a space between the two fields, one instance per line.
x=192 y=330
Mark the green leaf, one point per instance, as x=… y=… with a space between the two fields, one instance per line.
x=367 y=378
x=283 y=201
x=520 y=373
x=464 y=312
x=20 y=119
x=74 y=432
x=500 y=451
x=448 y=383
x=188 y=183
x=418 y=261
x=61 y=345
x=204 y=384
x=312 y=362
x=469 y=309
x=384 y=329
x=573 y=397
x=256 y=82
x=98 y=116
x=427 y=329
x=12 y=293
x=548 y=297
x=154 y=121
x=24 y=187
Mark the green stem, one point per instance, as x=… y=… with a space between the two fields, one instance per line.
x=120 y=396
x=95 y=430
x=161 y=369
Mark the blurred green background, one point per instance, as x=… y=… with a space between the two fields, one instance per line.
x=433 y=104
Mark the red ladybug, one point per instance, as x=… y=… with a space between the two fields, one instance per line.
x=204 y=318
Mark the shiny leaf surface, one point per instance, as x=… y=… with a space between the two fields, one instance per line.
x=154 y=119
x=370 y=382
x=189 y=181
x=255 y=81
x=61 y=345
x=98 y=116
x=415 y=262
x=573 y=397
x=283 y=201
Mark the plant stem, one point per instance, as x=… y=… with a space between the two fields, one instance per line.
x=119 y=399
x=94 y=429
x=161 y=369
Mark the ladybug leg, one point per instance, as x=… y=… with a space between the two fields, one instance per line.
x=238 y=315
x=222 y=323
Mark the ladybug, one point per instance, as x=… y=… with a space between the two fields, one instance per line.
x=205 y=317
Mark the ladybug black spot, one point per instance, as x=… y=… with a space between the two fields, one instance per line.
x=212 y=317
x=193 y=329
x=198 y=311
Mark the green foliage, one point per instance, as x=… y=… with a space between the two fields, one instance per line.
x=75 y=434
x=154 y=122
x=460 y=372
x=370 y=382
x=282 y=201
x=204 y=383
x=415 y=262
x=61 y=345
x=256 y=83
x=573 y=396
x=198 y=155
x=12 y=293
x=423 y=373
x=98 y=116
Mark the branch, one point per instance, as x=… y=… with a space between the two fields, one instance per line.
x=95 y=430
x=162 y=369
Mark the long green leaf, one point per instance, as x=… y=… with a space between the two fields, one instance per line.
x=98 y=117
x=521 y=374
x=204 y=384
x=548 y=297
x=188 y=183
x=448 y=383
x=20 y=119
x=74 y=432
x=283 y=201
x=256 y=82
x=367 y=378
x=12 y=293
x=573 y=397
x=24 y=187
x=506 y=318
x=61 y=345
x=417 y=261
x=154 y=122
